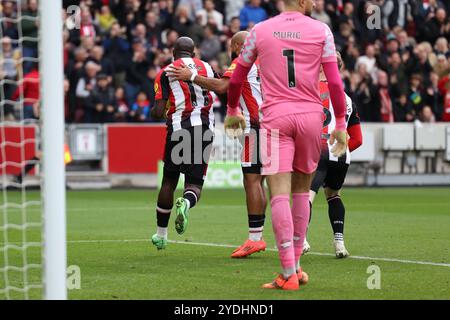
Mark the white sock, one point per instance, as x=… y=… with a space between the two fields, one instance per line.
x=188 y=203
x=162 y=232
x=255 y=234
x=287 y=273
x=339 y=237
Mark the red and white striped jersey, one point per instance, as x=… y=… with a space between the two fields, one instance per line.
x=352 y=119
x=189 y=104
x=251 y=98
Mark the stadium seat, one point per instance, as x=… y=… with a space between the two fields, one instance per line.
x=430 y=137
x=365 y=153
x=398 y=138
x=447 y=156
x=429 y=140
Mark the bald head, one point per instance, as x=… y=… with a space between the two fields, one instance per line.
x=237 y=42
x=184 y=47
x=239 y=38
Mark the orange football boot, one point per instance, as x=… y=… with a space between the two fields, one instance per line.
x=248 y=248
x=303 y=277
x=283 y=284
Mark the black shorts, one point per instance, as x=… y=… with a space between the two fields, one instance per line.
x=187 y=152
x=251 y=157
x=329 y=174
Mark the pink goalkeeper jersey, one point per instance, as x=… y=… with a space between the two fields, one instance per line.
x=291 y=48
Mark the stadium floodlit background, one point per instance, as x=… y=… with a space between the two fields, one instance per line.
x=398 y=74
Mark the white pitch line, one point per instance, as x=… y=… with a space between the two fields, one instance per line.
x=206 y=244
x=148 y=208
x=229 y=206
x=233 y=206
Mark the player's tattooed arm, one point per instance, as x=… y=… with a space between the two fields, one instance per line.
x=158 y=112
x=219 y=86
x=183 y=73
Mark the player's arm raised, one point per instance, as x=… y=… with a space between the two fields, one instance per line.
x=183 y=73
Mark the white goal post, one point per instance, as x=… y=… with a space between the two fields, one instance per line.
x=53 y=180
x=32 y=222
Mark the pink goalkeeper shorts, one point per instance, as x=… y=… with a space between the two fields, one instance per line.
x=291 y=143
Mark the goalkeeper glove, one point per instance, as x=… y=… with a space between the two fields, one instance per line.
x=339 y=140
x=234 y=123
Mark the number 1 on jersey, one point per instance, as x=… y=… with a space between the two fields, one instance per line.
x=290 y=57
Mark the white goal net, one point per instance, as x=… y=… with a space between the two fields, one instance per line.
x=28 y=241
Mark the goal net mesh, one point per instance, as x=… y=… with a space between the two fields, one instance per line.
x=20 y=216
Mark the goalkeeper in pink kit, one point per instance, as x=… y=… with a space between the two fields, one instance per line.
x=291 y=48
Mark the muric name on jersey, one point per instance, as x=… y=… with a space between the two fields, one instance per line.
x=286 y=35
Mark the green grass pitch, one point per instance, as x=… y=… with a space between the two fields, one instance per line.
x=109 y=232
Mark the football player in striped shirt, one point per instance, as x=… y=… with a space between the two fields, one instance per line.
x=332 y=171
x=250 y=101
x=190 y=132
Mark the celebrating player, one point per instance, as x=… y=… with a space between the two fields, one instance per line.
x=191 y=121
x=291 y=47
x=332 y=171
x=250 y=103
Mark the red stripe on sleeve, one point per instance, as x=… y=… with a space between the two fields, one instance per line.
x=356 y=139
x=250 y=101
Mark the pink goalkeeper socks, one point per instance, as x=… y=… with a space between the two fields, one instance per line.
x=284 y=230
x=300 y=216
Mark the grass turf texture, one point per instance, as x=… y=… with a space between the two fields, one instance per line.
x=407 y=224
